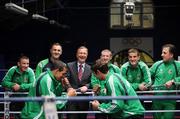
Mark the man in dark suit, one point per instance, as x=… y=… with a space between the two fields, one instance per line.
x=79 y=77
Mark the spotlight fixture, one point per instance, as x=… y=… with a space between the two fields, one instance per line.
x=15 y=8
x=129 y=9
x=39 y=17
x=52 y=22
x=55 y=23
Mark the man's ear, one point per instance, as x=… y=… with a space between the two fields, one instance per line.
x=98 y=72
x=172 y=55
x=18 y=63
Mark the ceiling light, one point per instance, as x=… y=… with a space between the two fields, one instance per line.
x=39 y=17
x=129 y=10
x=15 y=8
x=53 y=22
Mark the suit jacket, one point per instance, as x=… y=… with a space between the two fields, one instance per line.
x=73 y=75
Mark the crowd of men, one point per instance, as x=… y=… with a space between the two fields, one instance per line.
x=52 y=77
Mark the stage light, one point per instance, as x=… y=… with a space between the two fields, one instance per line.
x=39 y=17
x=15 y=8
x=52 y=22
x=55 y=23
x=129 y=9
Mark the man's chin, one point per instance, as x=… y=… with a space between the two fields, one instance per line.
x=57 y=57
x=24 y=70
x=133 y=64
x=82 y=61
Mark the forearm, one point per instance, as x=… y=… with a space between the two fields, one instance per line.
x=7 y=84
x=94 y=80
x=109 y=108
x=176 y=81
x=135 y=85
x=61 y=103
x=25 y=87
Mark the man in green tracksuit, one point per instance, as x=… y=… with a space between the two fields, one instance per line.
x=136 y=71
x=116 y=85
x=106 y=56
x=50 y=83
x=98 y=85
x=55 y=52
x=19 y=79
x=165 y=73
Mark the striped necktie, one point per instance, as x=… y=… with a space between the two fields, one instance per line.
x=80 y=72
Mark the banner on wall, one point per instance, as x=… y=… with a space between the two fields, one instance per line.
x=120 y=47
x=142 y=43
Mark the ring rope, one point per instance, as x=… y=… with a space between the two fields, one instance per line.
x=84 y=98
x=93 y=112
x=138 y=92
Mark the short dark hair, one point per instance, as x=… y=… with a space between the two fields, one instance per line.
x=107 y=50
x=134 y=50
x=57 y=64
x=22 y=56
x=172 y=48
x=56 y=43
x=82 y=47
x=101 y=66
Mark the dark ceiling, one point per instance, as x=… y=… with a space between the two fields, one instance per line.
x=58 y=10
x=80 y=22
x=21 y=33
x=10 y=20
x=53 y=9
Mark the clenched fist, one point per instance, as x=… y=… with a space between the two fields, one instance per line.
x=95 y=104
x=96 y=89
x=71 y=92
x=142 y=86
x=83 y=89
x=16 y=87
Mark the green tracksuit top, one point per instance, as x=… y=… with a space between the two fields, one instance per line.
x=120 y=108
x=161 y=72
x=40 y=66
x=48 y=86
x=24 y=79
x=43 y=66
x=136 y=75
x=112 y=69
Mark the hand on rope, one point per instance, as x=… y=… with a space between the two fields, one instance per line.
x=16 y=87
x=142 y=86
x=95 y=104
x=83 y=89
x=168 y=84
x=71 y=92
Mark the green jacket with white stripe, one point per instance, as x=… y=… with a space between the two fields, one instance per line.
x=120 y=108
x=43 y=66
x=162 y=72
x=136 y=76
x=46 y=85
x=24 y=79
x=40 y=67
x=94 y=80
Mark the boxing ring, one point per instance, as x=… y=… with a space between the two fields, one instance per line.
x=145 y=96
